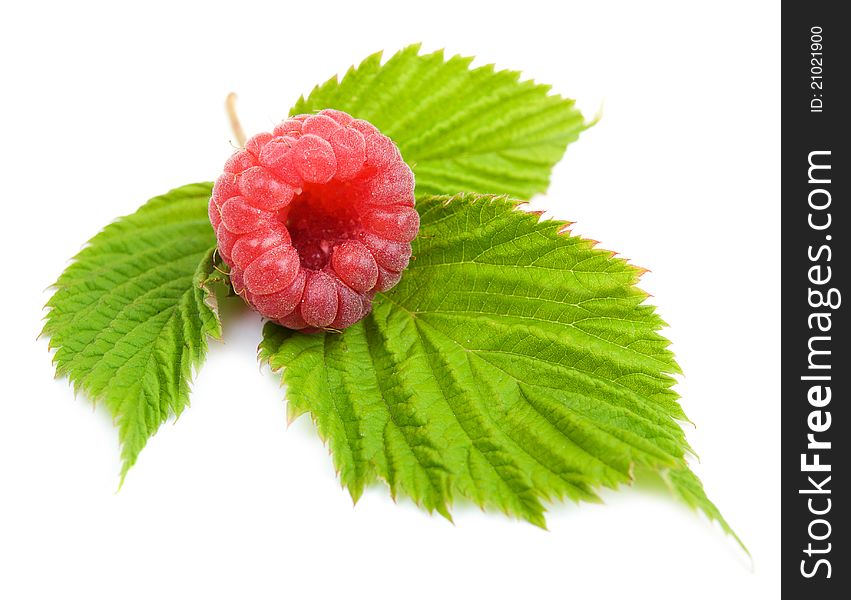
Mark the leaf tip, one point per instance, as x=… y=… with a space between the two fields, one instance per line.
x=685 y=484
x=443 y=510
x=598 y=115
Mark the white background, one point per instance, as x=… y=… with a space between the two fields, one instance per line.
x=104 y=106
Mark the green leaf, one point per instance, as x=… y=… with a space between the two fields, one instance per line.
x=460 y=130
x=514 y=364
x=685 y=484
x=131 y=314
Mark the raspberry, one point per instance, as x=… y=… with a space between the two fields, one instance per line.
x=314 y=219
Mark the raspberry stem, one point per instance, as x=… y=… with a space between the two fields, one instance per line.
x=235 y=125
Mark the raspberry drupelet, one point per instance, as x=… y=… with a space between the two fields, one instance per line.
x=314 y=219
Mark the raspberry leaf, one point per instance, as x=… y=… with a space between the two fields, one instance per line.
x=514 y=364
x=130 y=316
x=460 y=129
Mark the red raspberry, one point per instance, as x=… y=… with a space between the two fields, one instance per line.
x=314 y=219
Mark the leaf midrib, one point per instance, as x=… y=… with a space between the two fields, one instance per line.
x=417 y=317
